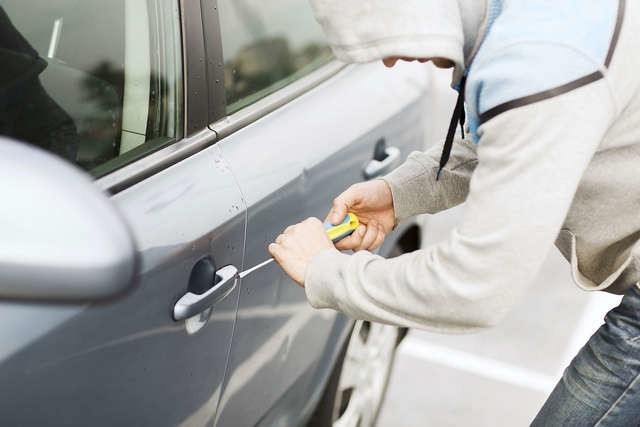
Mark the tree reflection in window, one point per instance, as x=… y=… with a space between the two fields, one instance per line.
x=267 y=45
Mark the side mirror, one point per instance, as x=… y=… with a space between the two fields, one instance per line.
x=61 y=238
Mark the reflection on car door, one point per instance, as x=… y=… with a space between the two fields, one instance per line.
x=290 y=164
x=128 y=362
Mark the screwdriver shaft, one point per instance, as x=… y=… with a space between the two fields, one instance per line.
x=252 y=269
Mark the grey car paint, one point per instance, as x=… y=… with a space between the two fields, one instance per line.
x=303 y=155
x=62 y=239
x=128 y=362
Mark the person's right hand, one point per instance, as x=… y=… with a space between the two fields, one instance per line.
x=372 y=203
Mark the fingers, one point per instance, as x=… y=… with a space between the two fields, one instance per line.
x=312 y=221
x=379 y=238
x=366 y=237
x=274 y=251
x=342 y=204
x=294 y=249
x=338 y=210
x=352 y=241
x=369 y=237
x=390 y=61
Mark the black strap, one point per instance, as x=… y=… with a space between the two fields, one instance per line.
x=457 y=117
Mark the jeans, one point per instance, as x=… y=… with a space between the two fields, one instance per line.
x=601 y=386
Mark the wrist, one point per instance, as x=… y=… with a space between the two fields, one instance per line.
x=387 y=194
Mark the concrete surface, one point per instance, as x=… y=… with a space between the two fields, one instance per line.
x=499 y=377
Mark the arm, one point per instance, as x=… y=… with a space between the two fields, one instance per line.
x=414 y=186
x=530 y=161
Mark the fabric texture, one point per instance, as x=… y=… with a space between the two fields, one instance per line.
x=360 y=31
x=601 y=386
x=559 y=167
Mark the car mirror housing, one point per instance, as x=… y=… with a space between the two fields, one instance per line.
x=61 y=238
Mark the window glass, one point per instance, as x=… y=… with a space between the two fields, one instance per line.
x=96 y=82
x=267 y=45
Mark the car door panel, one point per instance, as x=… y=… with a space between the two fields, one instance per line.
x=290 y=165
x=127 y=362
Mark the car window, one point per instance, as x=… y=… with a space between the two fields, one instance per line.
x=95 y=82
x=267 y=45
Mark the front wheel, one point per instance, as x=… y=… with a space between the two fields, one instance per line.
x=357 y=386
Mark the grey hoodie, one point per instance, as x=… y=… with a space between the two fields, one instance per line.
x=553 y=107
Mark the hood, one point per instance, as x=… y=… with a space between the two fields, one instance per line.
x=369 y=30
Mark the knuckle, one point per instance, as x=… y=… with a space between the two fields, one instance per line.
x=311 y=220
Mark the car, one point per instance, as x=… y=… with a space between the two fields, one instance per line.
x=150 y=151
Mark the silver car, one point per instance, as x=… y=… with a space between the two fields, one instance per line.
x=151 y=150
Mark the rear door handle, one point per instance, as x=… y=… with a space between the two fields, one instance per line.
x=375 y=168
x=191 y=303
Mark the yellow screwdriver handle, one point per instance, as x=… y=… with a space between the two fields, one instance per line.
x=342 y=230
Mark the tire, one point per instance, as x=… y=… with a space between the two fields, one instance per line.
x=333 y=409
x=356 y=388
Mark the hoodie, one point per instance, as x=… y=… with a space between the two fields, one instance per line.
x=551 y=95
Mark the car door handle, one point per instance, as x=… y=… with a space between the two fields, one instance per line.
x=191 y=304
x=375 y=168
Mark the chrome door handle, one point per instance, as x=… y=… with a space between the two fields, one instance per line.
x=191 y=304
x=376 y=168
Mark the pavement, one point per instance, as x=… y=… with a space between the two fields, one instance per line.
x=501 y=376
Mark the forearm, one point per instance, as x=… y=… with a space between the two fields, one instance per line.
x=414 y=186
x=519 y=196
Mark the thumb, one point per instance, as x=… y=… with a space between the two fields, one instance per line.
x=274 y=251
x=338 y=210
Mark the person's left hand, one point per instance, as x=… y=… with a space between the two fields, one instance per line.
x=297 y=245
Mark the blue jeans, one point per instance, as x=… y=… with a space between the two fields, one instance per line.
x=601 y=386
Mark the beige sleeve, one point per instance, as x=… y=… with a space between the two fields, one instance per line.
x=530 y=162
x=414 y=186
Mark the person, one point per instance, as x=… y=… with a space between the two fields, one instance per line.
x=27 y=112
x=550 y=93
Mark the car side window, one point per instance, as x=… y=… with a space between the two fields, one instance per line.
x=96 y=82
x=267 y=45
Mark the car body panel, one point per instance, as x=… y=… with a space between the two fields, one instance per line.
x=128 y=362
x=263 y=355
x=290 y=164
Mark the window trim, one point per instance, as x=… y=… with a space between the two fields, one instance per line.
x=195 y=107
x=194 y=73
x=224 y=124
x=196 y=104
x=156 y=162
x=215 y=60
x=249 y=114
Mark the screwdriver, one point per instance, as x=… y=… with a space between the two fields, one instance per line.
x=335 y=233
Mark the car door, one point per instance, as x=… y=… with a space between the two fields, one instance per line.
x=301 y=128
x=108 y=86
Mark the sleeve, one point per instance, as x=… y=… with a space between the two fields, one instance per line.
x=530 y=162
x=415 y=189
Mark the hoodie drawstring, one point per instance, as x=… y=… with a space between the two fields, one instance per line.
x=457 y=117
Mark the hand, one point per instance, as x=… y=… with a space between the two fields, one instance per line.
x=372 y=202
x=295 y=248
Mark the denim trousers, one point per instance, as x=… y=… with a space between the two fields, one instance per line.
x=601 y=386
